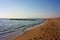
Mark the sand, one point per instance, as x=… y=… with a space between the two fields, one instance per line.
x=47 y=31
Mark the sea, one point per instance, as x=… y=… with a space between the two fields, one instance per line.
x=10 y=28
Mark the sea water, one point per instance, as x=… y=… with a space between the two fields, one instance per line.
x=11 y=28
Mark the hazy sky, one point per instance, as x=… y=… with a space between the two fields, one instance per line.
x=29 y=8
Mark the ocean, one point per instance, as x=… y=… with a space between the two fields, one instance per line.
x=12 y=27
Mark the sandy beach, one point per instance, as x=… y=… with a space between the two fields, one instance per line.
x=47 y=31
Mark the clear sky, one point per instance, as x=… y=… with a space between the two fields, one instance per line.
x=29 y=8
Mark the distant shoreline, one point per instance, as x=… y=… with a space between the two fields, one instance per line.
x=26 y=19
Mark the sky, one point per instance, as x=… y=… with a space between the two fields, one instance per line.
x=29 y=8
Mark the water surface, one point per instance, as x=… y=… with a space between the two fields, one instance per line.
x=10 y=28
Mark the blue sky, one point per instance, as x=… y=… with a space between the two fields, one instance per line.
x=29 y=8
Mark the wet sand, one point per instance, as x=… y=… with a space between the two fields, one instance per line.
x=47 y=31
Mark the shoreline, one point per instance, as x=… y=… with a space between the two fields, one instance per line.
x=46 y=31
x=28 y=29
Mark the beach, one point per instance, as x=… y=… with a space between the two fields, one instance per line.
x=47 y=31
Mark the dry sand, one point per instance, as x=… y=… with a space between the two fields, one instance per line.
x=48 y=31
